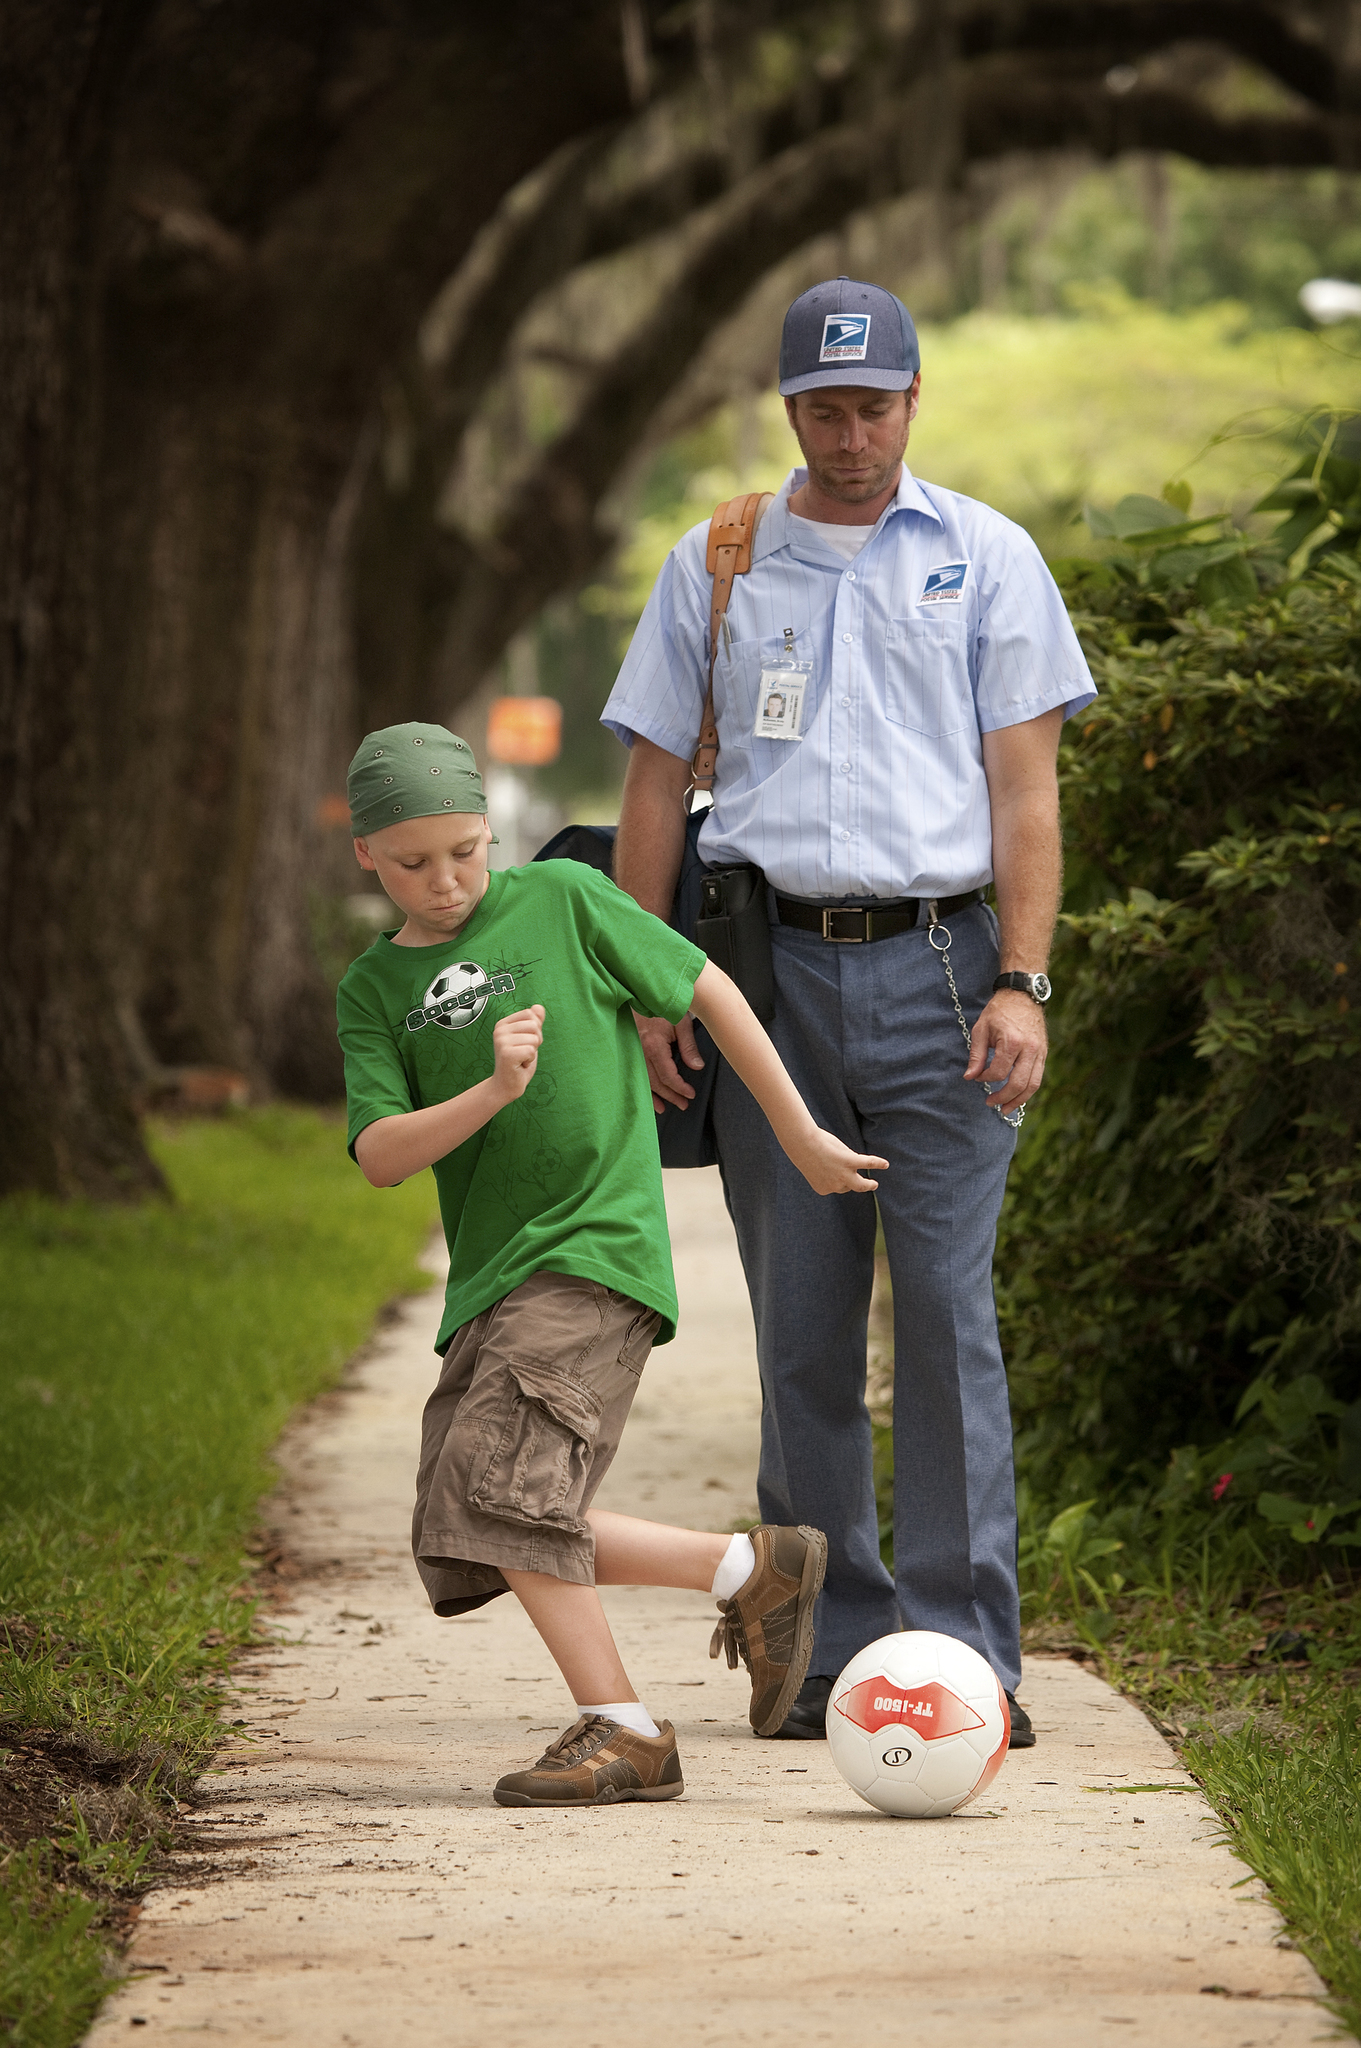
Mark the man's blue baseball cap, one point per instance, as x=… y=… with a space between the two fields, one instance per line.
x=846 y=332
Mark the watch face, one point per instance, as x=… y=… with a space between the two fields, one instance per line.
x=1041 y=987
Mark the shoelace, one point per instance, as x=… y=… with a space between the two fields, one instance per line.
x=579 y=1741
x=730 y=1636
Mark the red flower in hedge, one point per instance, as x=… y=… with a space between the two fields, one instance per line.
x=1221 y=1486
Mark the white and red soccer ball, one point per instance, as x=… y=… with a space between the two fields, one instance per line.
x=918 y=1724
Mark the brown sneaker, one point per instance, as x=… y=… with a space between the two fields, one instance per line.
x=769 y=1622
x=598 y=1763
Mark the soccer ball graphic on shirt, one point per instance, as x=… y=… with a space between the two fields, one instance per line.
x=918 y=1724
x=467 y=980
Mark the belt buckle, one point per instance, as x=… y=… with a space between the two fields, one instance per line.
x=856 y=938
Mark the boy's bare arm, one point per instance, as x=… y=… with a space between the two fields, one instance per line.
x=395 y=1147
x=829 y=1167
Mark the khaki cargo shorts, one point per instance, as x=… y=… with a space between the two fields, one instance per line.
x=519 y=1433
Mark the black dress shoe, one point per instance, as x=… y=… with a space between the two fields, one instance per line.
x=806 y=1720
x=1022 y=1734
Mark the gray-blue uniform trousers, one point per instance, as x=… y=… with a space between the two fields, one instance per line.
x=945 y=625
x=870 y=1038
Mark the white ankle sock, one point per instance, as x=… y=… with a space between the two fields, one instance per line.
x=737 y=1565
x=629 y=1713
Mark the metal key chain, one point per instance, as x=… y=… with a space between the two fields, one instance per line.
x=1017 y=1118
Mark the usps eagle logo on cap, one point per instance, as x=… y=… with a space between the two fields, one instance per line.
x=845 y=338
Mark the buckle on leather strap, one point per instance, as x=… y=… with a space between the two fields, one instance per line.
x=848 y=927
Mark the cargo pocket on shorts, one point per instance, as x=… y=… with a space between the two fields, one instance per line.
x=637 y=1344
x=534 y=1453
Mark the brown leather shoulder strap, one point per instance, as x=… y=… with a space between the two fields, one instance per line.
x=734 y=526
x=731 y=533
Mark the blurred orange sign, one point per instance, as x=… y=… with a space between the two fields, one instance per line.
x=524 y=732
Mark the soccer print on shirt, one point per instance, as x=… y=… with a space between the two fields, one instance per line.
x=458 y=995
x=845 y=338
x=945 y=584
x=520 y=1158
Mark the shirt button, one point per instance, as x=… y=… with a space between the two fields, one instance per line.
x=845 y=835
x=848 y=637
x=845 y=767
x=850 y=575
x=846 y=702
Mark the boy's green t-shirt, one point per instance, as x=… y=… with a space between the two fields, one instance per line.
x=568 y=1178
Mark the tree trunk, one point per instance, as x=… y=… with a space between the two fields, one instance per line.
x=67 y=1122
x=228 y=638
x=246 y=341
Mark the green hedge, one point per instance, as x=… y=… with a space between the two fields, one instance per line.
x=1178 y=1272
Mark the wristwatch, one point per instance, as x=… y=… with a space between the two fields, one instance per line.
x=1037 y=986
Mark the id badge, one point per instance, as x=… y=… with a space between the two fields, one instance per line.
x=780 y=700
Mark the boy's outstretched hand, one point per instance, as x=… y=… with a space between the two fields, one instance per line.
x=516 y=1041
x=828 y=1166
x=831 y=1168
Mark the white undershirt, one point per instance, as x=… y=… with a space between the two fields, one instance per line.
x=845 y=541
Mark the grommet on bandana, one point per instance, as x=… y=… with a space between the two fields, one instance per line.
x=390 y=777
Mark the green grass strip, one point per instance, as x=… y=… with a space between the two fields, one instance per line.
x=53 y=1976
x=1182 y=1617
x=1292 y=1809
x=154 y=1354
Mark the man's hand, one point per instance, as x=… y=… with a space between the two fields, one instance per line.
x=516 y=1041
x=1012 y=1028
x=668 y=1083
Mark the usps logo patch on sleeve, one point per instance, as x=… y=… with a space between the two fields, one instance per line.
x=945 y=583
x=845 y=338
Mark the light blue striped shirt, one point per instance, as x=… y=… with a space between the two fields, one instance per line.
x=946 y=625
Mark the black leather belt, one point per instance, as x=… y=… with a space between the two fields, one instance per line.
x=859 y=924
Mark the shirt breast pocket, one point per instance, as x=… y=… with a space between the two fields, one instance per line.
x=737 y=685
x=926 y=672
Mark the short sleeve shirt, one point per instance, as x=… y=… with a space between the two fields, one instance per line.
x=568 y=1178
x=945 y=626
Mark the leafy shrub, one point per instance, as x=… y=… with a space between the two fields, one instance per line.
x=1178 y=1263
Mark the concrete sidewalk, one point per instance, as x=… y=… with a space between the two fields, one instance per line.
x=369 y=1892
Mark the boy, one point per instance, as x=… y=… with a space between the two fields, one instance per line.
x=538 y=1124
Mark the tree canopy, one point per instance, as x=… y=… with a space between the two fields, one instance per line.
x=328 y=334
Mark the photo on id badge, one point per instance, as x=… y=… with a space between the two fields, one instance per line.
x=779 y=701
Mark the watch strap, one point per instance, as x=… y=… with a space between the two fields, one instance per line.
x=1026 y=984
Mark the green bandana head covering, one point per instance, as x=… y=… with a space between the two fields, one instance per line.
x=411 y=771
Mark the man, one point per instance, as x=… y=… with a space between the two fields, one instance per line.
x=939 y=665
